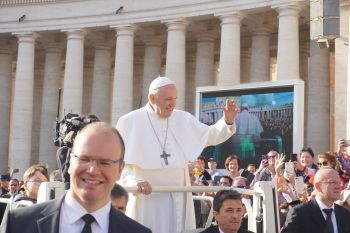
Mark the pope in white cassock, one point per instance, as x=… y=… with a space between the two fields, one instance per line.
x=159 y=142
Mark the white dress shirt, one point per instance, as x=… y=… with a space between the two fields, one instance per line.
x=323 y=206
x=72 y=211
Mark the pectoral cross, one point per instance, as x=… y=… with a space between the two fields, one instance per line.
x=165 y=157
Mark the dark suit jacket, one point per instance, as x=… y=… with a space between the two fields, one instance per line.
x=44 y=218
x=215 y=229
x=307 y=217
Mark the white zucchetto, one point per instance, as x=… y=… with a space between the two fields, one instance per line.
x=160 y=82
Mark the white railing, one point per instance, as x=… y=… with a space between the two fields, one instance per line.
x=264 y=202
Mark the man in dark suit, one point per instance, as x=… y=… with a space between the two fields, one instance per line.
x=321 y=214
x=95 y=165
x=228 y=212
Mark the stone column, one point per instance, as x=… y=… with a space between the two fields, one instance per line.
x=22 y=106
x=318 y=118
x=123 y=74
x=260 y=58
x=288 y=42
x=5 y=102
x=230 y=53
x=304 y=73
x=152 y=63
x=52 y=74
x=176 y=57
x=245 y=65
x=101 y=81
x=138 y=76
x=87 y=84
x=37 y=105
x=204 y=75
x=190 y=82
x=304 y=61
x=341 y=77
x=73 y=74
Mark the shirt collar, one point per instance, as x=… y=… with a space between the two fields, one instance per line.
x=75 y=211
x=322 y=205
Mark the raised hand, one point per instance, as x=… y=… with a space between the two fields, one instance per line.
x=230 y=111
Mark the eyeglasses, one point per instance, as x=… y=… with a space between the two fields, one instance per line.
x=35 y=181
x=332 y=182
x=324 y=163
x=101 y=163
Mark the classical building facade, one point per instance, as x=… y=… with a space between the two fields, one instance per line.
x=104 y=53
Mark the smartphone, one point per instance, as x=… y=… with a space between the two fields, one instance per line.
x=264 y=159
x=289 y=167
x=293 y=157
x=299 y=184
x=348 y=142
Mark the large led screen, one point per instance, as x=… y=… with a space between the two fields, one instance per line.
x=265 y=121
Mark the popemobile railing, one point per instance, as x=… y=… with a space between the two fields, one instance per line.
x=263 y=213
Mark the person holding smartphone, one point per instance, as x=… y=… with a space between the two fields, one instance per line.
x=266 y=170
x=305 y=167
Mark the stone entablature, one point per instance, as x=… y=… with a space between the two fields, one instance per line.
x=62 y=14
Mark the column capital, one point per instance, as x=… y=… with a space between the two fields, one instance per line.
x=179 y=24
x=288 y=10
x=75 y=34
x=125 y=30
x=261 y=30
x=154 y=41
x=53 y=47
x=28 y=37
x=205 y=37
x=230 y=18
x=101 y=40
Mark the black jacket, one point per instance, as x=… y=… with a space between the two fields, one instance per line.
x=307 y=217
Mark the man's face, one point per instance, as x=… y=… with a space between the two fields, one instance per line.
x=119 y=203
x=90 y=182
x=230 y=216
x=32 y=185
x=329 y=188
x=212 y=165
x=239 y=183
x=164 y=101
x=224 y=182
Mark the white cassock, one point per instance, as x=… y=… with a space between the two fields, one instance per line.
x=186 y=138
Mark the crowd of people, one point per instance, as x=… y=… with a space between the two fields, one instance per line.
x=298 y=179
x=102 y=155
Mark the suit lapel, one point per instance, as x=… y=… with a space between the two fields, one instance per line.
x=317 y=215
x=115 y=222
x=51 y=216
x=338 y=217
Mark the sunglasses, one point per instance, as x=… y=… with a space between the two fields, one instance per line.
x=324 y=163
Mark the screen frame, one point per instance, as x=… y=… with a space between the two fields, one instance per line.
x=298 y=105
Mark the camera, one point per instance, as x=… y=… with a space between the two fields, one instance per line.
x=68 y=128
